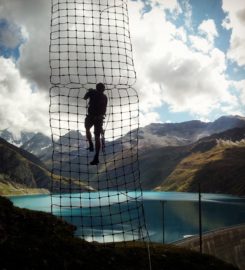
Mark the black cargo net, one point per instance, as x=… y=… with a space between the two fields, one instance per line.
x=90 y=43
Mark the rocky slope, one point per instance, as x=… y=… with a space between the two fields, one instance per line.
x=39 y=145
x=18 y=140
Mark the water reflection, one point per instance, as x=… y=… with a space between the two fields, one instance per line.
x=114 y=216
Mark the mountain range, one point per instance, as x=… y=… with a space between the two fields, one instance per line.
x=17 y=140
x=177 y=134
x=172 y=156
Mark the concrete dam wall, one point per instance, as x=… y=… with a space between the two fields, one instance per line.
x=227 y=244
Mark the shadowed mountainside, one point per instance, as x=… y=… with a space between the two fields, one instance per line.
x=216 y=162
x=22 y=172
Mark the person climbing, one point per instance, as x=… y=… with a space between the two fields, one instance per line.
x=96 y=113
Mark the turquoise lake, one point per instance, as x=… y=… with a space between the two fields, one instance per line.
x=170 y=216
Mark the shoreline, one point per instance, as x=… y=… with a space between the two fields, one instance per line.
x=45 y=192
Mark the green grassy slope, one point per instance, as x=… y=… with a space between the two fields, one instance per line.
x=8 y=187
x=20 y=171
x=220 y=169
x=180 y=168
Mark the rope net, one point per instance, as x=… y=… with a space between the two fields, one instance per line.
x=90 y=43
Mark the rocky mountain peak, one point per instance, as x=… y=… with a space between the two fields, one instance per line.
x=19 y=140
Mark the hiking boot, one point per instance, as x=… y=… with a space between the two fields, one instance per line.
x=95 y=161
x=91 y=148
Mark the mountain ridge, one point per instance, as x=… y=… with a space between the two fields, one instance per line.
x=162 y=148
x=158 y=164
x=170 y=134
x=217 y=162
x=176 y=134
x=19 y=168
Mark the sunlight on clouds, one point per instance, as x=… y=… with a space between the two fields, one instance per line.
x=33 y=18
x=170 y=72
x=186 y=78
x=187 y=10
x=200 y=44
x=208 y=29
x=147 y=41
x=180 y=34
x=230 y=110
x=150 y=95
x=20 y=109
x=171 y=5
x=204 y=40
x=148 y=118
x=235 y=21
x=240 y=86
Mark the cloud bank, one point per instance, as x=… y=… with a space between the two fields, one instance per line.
x=235 y=21
x=188 y=73
x=21 y=109
x=177 y=68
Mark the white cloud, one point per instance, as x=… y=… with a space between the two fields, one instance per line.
x=170 y=5
x=203 y=41
x=200 y=43
x=240 y=86
x=169 y=72
x=148 y=118
x=181 y=34
x=208 y=29
x=20 y=108
x=235 y=21
x=187 y=10
x=33 y=20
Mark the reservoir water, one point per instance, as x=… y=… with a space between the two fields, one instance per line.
x=170 y=216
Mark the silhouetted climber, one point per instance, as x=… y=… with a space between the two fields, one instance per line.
x=96 y=114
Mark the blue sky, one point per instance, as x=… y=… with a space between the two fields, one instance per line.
x=201 y=23
x=200 y=11
x=9 y=48
x=189 y=58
